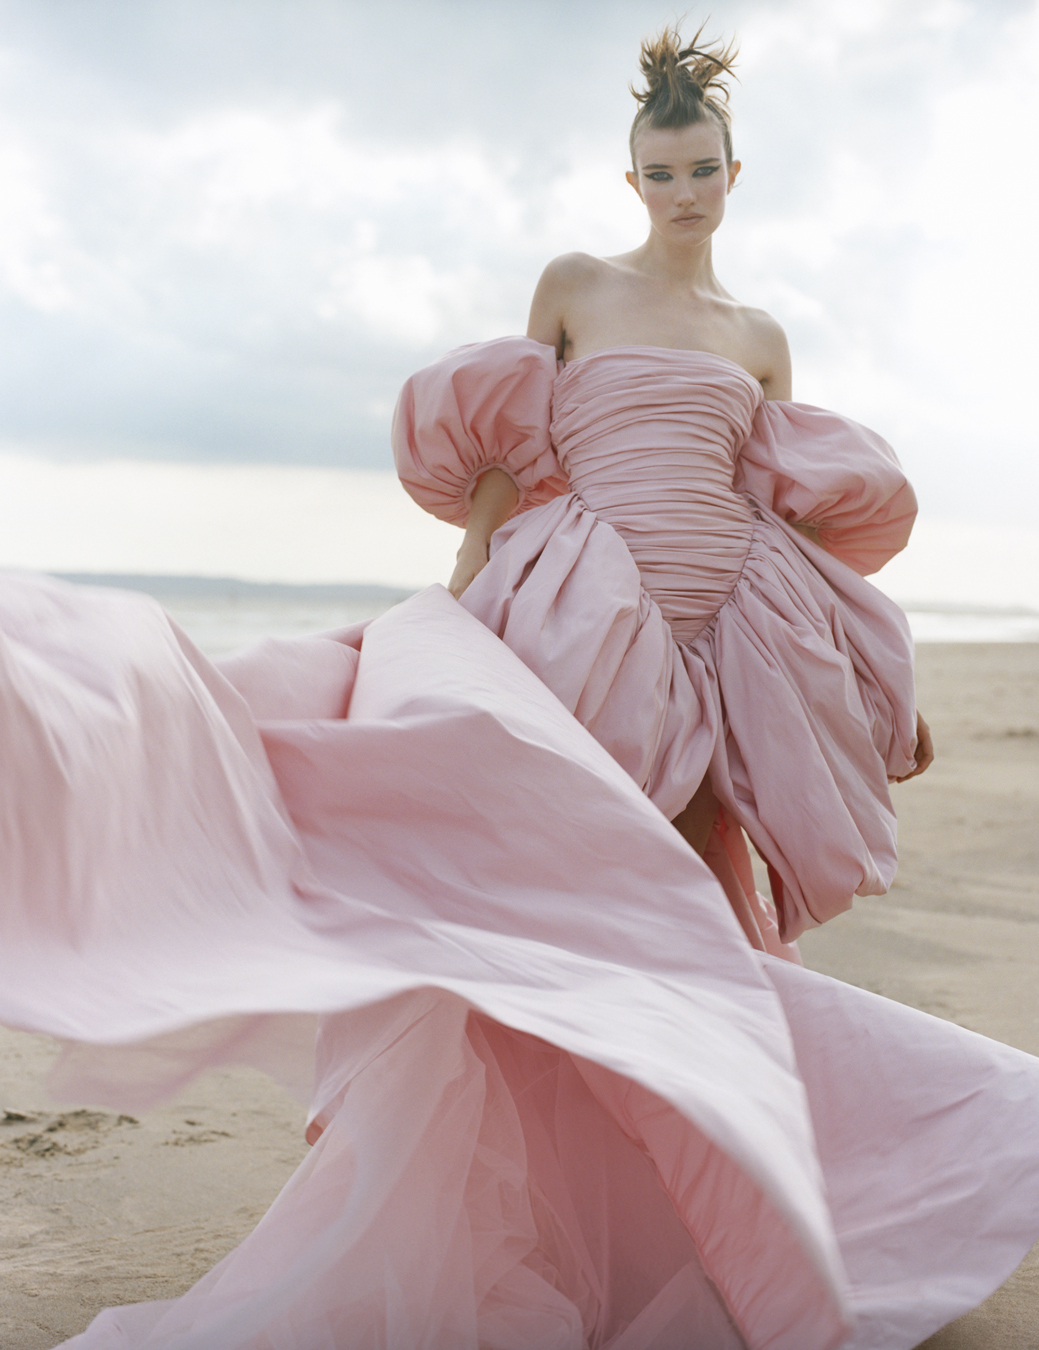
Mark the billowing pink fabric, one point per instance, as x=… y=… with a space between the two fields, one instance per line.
x=669 y=605
x=560 y=1100
x=807 y=464
x=457 y=425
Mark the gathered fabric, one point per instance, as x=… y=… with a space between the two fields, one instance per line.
x=422 y=871
x=662 y=594
x=557 y=1097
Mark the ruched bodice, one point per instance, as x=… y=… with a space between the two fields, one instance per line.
x=649 y=439
x=558 y=1099
x=651 y=579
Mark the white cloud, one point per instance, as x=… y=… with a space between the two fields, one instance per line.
x=32 y=239
x=238 y=247
x=906 y=213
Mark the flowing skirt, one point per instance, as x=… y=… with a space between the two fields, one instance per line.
x=558 y=1099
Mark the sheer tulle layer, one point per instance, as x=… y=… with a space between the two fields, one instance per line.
x=560 y=1100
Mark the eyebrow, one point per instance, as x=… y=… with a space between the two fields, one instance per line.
x=711 y=159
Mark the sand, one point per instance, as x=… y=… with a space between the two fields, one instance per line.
x=958 y=934
x=100 y=1209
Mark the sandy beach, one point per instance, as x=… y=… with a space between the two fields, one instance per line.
x=100 y=1209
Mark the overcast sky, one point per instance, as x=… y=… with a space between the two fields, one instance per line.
x=230 y=228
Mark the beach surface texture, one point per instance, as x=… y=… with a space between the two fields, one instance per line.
x=100 y=1209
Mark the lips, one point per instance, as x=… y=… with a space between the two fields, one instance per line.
x=685 y=220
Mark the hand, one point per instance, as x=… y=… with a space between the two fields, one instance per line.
x=494 y=499
x=924 y=753
x=472 y=559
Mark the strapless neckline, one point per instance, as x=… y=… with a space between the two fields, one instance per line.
x=648 y=437
x=635 y=348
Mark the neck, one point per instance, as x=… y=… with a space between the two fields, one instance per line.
x=684 y=266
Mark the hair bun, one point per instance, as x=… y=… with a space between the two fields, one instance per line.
x=684 y=82
x=668 y=65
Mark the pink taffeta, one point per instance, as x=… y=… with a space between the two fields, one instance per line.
x=661 y=594
x=558 y=1099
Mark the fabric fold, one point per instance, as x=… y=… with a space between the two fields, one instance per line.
x=669 y=604
x=462 y=416
x=558 y=1099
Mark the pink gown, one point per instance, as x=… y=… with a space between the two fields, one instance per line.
x=650 y=580
x=559 y=1100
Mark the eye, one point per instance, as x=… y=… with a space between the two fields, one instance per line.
x=659 y=176
x=705 y=170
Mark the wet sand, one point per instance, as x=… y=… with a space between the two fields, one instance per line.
x=99 y=1209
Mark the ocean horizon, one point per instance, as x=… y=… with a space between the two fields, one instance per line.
x=961 y=580
x=224 y=614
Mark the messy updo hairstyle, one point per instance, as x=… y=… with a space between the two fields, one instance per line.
x=684 y=85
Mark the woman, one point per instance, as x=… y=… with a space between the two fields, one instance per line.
x=559 y=1100
x=787 y=704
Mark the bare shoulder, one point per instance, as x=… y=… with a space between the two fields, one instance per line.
x=563 y=281
x=568 y=275
x=767 y=351
x=575 y=269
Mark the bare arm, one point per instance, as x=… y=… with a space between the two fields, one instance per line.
x=776 y=378
x=552 y=300
x=494 y=500
x=777 y=383
x=495 y=495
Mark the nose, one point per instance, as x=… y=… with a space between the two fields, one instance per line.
x=685 y=193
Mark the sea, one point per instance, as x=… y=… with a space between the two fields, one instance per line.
x=222 y=615
x=206 y=539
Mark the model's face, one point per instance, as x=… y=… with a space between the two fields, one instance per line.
x=683 y=178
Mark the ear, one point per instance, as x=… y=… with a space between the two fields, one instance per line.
x=734 y=169
x=633 y=180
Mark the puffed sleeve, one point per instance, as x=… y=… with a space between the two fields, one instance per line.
x=815 y=466
x=481 y=407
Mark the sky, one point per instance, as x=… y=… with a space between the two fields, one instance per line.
x=229 y=229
